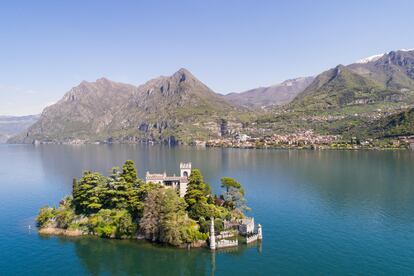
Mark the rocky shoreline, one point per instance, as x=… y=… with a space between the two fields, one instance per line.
x=61 y=232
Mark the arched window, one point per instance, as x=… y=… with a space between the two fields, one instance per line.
x=185 y=174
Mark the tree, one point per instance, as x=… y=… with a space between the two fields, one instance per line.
x=178 y=228
x=129 y=172
x=235 y=201
x=90 y=192
x=198 y=196
x=65 y=214
x=136 y=197
x=46 y=214
x=75 y=187
x=197 y=189
x=117 y=190
x=112 y=223
x=227 y=182
x=64 y=218
x=125 y=225
x=150 y=221
x=165 y=219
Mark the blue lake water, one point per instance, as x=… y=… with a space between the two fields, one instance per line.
x=323 y=212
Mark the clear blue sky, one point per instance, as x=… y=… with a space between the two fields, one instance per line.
x=47 y=47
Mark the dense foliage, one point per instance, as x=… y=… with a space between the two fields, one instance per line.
x=166 y=220
x=122 y=206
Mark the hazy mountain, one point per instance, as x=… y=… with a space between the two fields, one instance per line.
x=177 y=107
x=12 y=125
x=278 y=94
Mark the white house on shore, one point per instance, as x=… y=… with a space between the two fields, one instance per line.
x=177 y=182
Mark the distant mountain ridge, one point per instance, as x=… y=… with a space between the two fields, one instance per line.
x=394 y=69
x=274 y=95
x=165 y=109
x=389 y=78
x=181 y=109
x=347 y=98
x=12 y=125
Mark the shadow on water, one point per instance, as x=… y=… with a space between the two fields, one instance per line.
x=131 y=257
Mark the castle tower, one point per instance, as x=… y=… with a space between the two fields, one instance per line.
x=259 y=232
x=212 y=235
x=185 y=169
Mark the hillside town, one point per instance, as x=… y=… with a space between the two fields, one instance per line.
x=301 y=139
x=307 y=139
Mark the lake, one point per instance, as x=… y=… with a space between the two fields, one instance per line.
x=323 y=212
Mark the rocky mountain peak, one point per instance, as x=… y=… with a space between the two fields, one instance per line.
x=183 y=75
x=161 y=109
x=104 y=81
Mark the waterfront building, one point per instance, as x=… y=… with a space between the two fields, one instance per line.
x=246 y=226
x=176 y=182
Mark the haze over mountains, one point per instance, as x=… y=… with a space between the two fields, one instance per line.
x=180 y=108
x=278 y=94
x=12 y=125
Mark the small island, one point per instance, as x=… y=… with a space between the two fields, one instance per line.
x=175 y=210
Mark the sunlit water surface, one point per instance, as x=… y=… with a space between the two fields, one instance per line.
x=323 y=212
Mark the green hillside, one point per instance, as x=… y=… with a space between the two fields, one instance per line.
x=399 y=124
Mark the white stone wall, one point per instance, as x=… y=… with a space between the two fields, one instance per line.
x=252 y=238
x=183 y=189
x=226 y=243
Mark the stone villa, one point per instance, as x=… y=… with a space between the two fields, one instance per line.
x=177 y=182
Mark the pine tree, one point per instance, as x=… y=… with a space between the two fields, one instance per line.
x=129 y=172
x=91 y=191
x=197 y=189
x=199 y=198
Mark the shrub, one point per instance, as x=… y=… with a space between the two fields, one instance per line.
x=105 y=230
x=112 y=223
x=64 y=218
x=46 y=214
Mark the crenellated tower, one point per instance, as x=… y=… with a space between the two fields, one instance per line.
x=185 y=169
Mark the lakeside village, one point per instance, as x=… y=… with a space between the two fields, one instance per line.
x=307 y=140
x=176 y=210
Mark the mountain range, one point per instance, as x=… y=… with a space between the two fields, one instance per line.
x=166 y=109
x=13 y=125
x=181 y=109
x=274 y=95
x=389 y=78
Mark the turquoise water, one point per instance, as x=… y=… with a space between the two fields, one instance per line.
x=323 y=212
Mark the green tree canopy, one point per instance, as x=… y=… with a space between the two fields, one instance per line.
x=166 y=220
x=89 y=193
x=112 y=206
x=227 y=182
x=129 y=172
x=197 y=189
x=234 y=197
x=200 y=200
